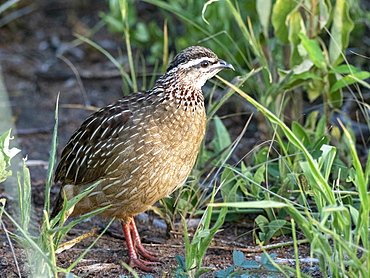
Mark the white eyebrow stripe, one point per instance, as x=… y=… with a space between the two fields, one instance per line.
x=197 y=61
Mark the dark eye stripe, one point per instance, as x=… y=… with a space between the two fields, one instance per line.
x=205 y=63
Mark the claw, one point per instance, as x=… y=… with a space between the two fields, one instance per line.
x=140 y=264
x=133 y=242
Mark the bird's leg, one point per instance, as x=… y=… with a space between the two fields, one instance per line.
x=137 y=243
x=133 y=242
x=134 y=260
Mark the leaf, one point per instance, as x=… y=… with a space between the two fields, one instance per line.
x=326 y=160
x=6 y=155
x=250 y=264
x=261 y=222
x=324 y=10
x=264 y=11
x=201 y=271
x=142 y=33
x=252 y=204
x=314 y=51
x=340 y=31
x=269 y=266
x=115 y=25
x=238 y=257
x=280 y=11
x=224 y=273
x=221 y=274
x=320 y=128
x=181 y=261
x=295 y=27
x=303 y=68
x=264 y=259
x=260 y=174
x=301 y=134
x=349 y=79
x=275 y=228
x=315 y=89
x=222 y=138
x=344 y=69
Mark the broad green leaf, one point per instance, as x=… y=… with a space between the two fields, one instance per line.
x=344 y=69
x=335 y=99
x=311 y=120
x=315 y=89
x=314 y=51
x=269 y=266
x=250 y=264
x=264 y=11
x=260 y=174
x=301 y=134
x=264 y=259
x=142 y=33
x=115 y=25
x=340 y=31
x=349 y=79
x=222 y=138
x=326 y=160
x=295 y=27
x=299 y=79
x=324 y=8
x=274 y=229
x=238 y=257
x=303 y=67
x=321 y=127
x=280 y=11
x=261 y=222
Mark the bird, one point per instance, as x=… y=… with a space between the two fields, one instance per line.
x=139 y=149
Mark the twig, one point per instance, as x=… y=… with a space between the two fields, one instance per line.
x=249 y=249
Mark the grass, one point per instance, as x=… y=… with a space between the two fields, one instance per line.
x=306 y=179
x=40 y=247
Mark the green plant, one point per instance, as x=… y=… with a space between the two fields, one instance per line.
x=6 y=154
x=342 y=250
x=40 y=248
x=248 y=268
x=195 y=249
x=269 y=229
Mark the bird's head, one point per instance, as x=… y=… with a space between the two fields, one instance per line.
x=195 y=65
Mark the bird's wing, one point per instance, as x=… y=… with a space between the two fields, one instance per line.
x=85 y=154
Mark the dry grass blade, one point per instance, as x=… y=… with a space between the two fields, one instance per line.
x=73 y=242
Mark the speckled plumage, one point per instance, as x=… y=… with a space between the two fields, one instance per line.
x=142 y=147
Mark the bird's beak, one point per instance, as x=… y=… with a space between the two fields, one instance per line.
x=224 y=65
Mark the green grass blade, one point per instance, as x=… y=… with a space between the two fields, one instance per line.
x=125 y=76
x=321 y=184
x=52 y=159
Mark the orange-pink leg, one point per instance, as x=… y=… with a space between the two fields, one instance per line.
x=133 y=242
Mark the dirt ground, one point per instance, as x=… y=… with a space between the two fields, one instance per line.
x=33 y=77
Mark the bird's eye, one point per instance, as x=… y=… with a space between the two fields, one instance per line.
x=204 y=64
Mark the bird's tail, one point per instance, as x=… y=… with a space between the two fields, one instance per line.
x=58 y=204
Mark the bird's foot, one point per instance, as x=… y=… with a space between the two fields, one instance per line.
x=146 y=253
x=143 y=265
x=135 y=246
